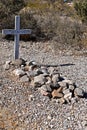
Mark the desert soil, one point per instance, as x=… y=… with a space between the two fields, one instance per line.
x=18 y=111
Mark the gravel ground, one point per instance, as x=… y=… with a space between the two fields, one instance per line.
x=24 y=108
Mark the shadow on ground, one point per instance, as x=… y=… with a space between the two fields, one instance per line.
x=47 y=65
x=85 y=95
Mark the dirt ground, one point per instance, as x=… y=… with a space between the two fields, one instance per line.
x=18 y=112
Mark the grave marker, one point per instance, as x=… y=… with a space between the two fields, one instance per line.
x=16 y=32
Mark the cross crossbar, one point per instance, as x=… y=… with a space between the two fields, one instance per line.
x=21 y=31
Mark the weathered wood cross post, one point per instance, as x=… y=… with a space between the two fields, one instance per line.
x=16 y=32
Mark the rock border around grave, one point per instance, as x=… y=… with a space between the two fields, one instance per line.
x=47 y=80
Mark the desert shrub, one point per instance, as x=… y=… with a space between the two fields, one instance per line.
x=59 y=28
x=7 y=11
x=29 y=22
x=81 y=9
x=49 y=20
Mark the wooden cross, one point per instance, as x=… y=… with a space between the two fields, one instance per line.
x=16 y=32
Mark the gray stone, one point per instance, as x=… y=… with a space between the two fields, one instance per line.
x=55 y=85
x=79 y=92
x=71 y=87
x=39 y=80
x=63 y=84
x=46 y=88
x=68 y=81
x=44 y=70
x=18 y=72
x=43 y=87
x=24 y=78
x=51 y=70
x=6 y=67
x=55 y=78
x=32 y=73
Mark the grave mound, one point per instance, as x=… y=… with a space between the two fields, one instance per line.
x=46 y=79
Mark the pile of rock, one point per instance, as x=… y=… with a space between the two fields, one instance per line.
x=46 y=79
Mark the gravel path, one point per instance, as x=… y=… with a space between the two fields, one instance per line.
x=24 y=108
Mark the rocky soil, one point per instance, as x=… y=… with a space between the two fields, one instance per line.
x=23 y=107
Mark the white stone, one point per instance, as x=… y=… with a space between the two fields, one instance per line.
x=31 y=97
x=66 y=91
x=68 y=81
x=8 y=62
x=68 y=96
x=6 y=66
x=18 y=72
x=49 y=117
x=31 y=63
x=62 y=84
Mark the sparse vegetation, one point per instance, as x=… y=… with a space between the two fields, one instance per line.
x=81 y=9
x=49 y=20
x=7 y=11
